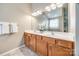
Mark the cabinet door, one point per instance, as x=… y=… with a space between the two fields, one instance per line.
x=41 y=46
x=61 y=51
x=28 y=41
x=51 y=51
x=64 y=43
x=56 y=50
x=33 y=42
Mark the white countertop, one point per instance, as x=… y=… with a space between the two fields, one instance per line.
x=60 y=35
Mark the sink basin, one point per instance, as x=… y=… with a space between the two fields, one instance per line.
x=45 y=32
x=48 y=33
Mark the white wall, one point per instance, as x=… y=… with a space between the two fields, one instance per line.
x=72 y=16
x=19 y=13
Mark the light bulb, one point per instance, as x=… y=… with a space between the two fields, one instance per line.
x=59 y=5
x=39 y=12
x=53 y=6
x=48 y=8
x=34 y=14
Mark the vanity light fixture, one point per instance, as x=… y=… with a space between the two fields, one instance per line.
x=48 y=8
x=53 y=6
x=39 y=12
x=34 y=14
x=59 y=5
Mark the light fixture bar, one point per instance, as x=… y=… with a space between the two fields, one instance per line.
x=53 y=6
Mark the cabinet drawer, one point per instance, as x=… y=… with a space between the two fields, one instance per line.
x=64 y=43
x=49 y=40
x=38 y=37
x=28 y=34
x=61 y=51
x=56 y=50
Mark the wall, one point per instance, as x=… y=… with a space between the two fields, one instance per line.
x=71 y=14
x=19 y=13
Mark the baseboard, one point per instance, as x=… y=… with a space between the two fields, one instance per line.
x=11 y=50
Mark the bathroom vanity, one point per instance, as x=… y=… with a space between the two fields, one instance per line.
x=47 y=44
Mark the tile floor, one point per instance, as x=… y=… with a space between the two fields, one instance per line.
x=24 y=51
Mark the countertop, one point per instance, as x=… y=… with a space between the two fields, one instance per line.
x=59 y=35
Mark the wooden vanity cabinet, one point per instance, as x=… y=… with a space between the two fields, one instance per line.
x=41 y=46
x=46 y=46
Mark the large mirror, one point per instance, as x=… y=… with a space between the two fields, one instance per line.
x=55 y=20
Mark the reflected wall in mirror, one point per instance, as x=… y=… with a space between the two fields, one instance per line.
x=54 y=20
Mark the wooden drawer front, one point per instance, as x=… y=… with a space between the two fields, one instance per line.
x=56 y=50
x=38 y=37
x=28 y=34
x=63 y=43
x=61 y=51
x=49 y=40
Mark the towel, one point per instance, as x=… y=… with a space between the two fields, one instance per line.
x=13 y=27
x=4 y=27
x=0 y=29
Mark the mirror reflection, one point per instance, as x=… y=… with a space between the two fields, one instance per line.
x=55 y=19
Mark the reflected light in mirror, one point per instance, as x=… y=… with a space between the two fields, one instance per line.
x=53 y=6
x=59 y=5
x=48 y=8
x=39 y=12
x=34 y=14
